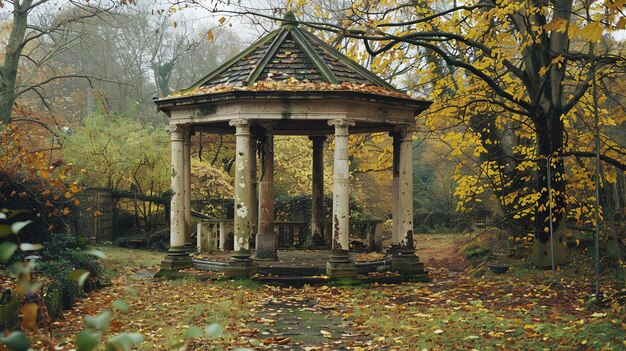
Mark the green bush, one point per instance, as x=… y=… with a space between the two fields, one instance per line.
x=63 y=254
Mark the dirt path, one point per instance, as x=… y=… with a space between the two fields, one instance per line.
x=294 y=323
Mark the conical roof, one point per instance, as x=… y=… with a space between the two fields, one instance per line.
x=290 y=53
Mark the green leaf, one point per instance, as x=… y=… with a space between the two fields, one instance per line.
x=136 y=338
x=101 y=321
x=97 y=253
x=6 y=251
x=255 y=342
x=16 y=341
x=132 y=291
x=124 y=342
x=192 y=332
x=80 y=275
x=5 y=230
x=30 y=247
x=87 y=340
x=17 y=226
x=120 y=305
x=214 y=330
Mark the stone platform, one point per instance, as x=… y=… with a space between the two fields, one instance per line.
x=307 y=266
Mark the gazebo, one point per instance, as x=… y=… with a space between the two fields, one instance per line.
x=290 y=83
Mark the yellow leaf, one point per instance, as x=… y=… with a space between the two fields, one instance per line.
x=209 y=35
x=557 y=24
x=558 y=59
x=592 y=32
x=543 y=71
x=621 y=23
x=222 y=20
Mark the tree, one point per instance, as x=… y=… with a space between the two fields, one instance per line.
x=33 y=43
x=529 y=62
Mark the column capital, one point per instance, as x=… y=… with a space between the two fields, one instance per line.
x=176 y=128
x=242 y=127
x=240 y=122
x=341 y=123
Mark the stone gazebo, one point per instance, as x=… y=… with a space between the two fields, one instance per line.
x=291 y=83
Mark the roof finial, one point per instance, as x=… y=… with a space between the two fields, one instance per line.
x=290 y=19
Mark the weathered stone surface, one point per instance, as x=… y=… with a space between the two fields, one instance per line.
x=240 y=267
x=177 y=258
x=267 y=240
x=406 y=263
x=316 y=237
x=340 y=265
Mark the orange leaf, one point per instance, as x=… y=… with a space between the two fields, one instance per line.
x=557 y=24
x=29 y=316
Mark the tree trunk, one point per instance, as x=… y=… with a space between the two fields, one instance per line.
x=8 y=71
x=549 y=131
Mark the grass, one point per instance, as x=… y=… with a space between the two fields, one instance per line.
x=122 y=261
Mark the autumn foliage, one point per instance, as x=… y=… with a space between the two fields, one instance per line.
x=31 y=182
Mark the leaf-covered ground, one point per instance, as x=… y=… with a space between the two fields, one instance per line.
x=457 y=311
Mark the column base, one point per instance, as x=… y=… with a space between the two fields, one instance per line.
x=340 y=265
x=393 y=250
x=266 y=248
x=191 y=248
x=241 y=266
x=177 y=258
x=406 y=263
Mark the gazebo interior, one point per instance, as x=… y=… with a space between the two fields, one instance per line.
x=289 y=82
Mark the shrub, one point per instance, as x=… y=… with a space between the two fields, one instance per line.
x=63 y=254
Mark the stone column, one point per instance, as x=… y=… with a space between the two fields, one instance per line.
x=177 y=256
x=340 y=265
x=317 y=195
x=241 y=265
x=203 y=236
x=267 y=240
x=405 y=191
x=395 y=168
x=404 y=260
x=223 y=234
x=187 y=181
x=243 y=188
x=254 y=209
